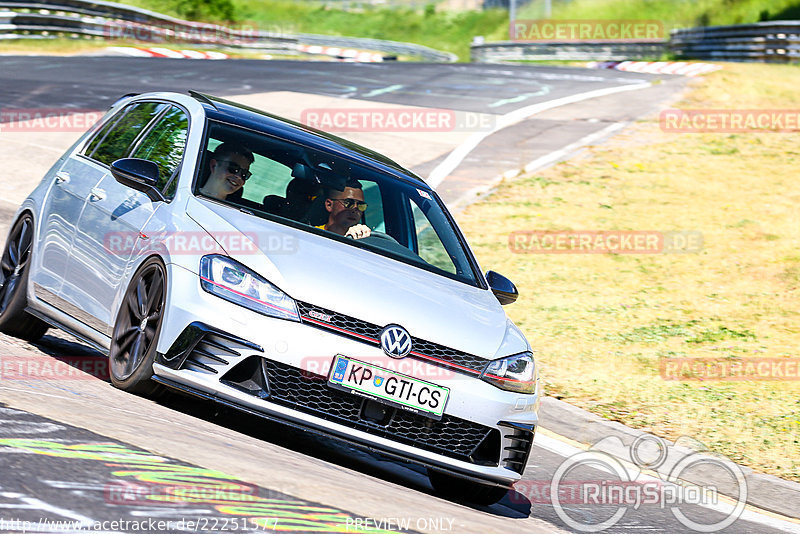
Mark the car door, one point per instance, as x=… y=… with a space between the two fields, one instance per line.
x=61 y=210
x=113 y=216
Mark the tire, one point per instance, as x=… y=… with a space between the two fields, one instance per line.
x=14 y=269
x=461 y=489
x=136 y=330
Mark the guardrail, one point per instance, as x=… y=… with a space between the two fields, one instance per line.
x=108 y=20
x=567 y=50
x=775 y=41
x=389 y=47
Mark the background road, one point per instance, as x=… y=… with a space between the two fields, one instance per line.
x=71 y=448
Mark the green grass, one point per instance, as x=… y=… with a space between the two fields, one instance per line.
x=453 y=31
x=692 y=331
x=601 y=324
x=450 y=31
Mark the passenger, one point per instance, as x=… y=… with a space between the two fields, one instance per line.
x=344 y=211
x=229 y=169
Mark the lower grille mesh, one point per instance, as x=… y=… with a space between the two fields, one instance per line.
x=308 y=393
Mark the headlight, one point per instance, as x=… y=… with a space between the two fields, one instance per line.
x=232 y=281
x=516 y=373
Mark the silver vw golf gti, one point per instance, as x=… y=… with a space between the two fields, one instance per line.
x=237 y=256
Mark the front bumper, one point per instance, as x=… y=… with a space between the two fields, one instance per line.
x=278 y=369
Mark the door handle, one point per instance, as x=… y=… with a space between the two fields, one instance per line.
x=97 y=194
x=62 y=177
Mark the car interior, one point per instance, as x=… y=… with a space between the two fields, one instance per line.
x=287 y=185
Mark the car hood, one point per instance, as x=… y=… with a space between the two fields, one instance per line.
x=363 y=284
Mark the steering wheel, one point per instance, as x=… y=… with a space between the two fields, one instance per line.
x=382 y=235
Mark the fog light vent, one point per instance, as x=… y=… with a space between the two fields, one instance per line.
x=517 y=452
x=248 y=376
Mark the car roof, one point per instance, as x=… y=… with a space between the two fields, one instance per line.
x=255 y=119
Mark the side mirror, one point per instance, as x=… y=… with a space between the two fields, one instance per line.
x=139 y=174
x=503 y=288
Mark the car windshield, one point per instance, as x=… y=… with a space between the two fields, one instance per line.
x=290 y=183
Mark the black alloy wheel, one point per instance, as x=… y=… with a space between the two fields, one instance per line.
x=14 y=268
x=136 y=331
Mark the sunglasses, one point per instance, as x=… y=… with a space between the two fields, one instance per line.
x=234 y=168
x=350 y=203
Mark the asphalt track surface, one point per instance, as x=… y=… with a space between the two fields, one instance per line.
x=78 y=449
x=96 y=82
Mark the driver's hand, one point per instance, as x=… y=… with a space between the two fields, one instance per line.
x=358 y=231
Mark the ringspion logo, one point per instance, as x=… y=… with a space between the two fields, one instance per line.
x=575 y=485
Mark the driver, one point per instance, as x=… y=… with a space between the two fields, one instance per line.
x=344 y=211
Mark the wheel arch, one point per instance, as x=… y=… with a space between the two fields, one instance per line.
x=22 y=212
x=132 y=268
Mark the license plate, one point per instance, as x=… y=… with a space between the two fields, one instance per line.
x=388 y=387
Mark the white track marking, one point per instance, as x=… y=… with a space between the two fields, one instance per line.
x=455 y=157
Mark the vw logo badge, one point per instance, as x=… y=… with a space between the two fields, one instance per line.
x=395 y=341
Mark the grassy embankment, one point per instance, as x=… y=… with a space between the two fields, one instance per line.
x=601 y=323
x=450 y=31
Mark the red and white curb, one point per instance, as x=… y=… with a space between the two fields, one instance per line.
x=348 y=54
x=680 y=68
x=166 y=52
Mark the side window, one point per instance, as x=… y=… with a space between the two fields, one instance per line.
x=269 y=178
x=113 y=141
x=431 y=248
x=373 y=217
x=164 y=144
